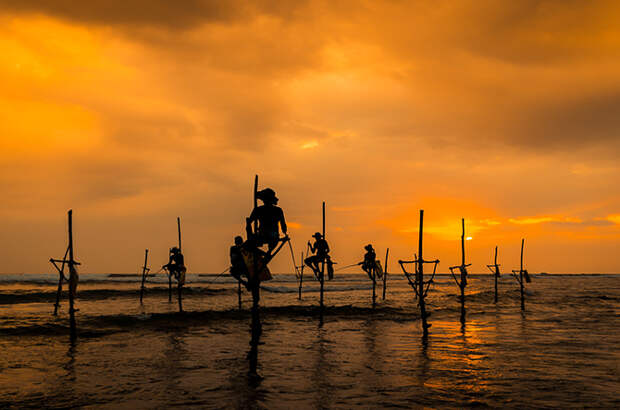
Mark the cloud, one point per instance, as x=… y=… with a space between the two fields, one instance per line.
x=502 y=113
x=148 y=12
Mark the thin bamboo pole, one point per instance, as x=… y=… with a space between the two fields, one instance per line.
x=255 y=280
x=521 y=277
x=420 y=278
x=72 y=278
x=385 y=271
x=144 y=272
x=301 y=274
x=61 y=277
x=180 y=279
x=239 y=294
x=463 y=282
x=374 y=286
x=495 y=274
x=322 y=278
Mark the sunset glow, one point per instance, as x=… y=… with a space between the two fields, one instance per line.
x=503 y=114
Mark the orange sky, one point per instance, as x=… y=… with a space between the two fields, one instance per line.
x=131 y=113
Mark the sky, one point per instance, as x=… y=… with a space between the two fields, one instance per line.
x=506 y=114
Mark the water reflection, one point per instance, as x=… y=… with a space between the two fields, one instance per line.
x=322 y=369
x=70 y=365
x=256 y=330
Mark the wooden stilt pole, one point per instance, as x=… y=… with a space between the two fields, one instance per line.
x=374 y=286
x=521 y=277
x=180 y=280
x=463 y=282
x=301 y=274
x=72 y=279
x=239 y=294
x=322 y=278
x=58 y=293
x=495 y=274
x=61 y=278
x=255 y=280
x=420 y=278
x=385 y=271
x=495 y=271
x=144 y=273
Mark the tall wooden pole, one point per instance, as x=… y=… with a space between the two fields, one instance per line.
x=255 y=279
x=322 y=278
x=495 y=274
x=239 y=295
x=301 y=274
x=463 y=282
x=385 y=271
x=374 y=286
x=255 y=201
x=179 y=232
x=181 y=278
x=58 y=292
x=72 y=278
x=144 y=271
x=521 y=277
x=420 y=278
x=61 y=277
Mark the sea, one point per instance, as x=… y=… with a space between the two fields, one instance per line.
x=561 y=352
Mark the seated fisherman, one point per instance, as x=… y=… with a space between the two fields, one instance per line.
x=369 y=263
x=238 y=268
x=270 y=218
x=320 y=248
x=176 y=265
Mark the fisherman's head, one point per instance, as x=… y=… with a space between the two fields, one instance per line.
x=268 y=196
x=317 y=235
x=238 y=240
x=174 y=249
x=368 y=247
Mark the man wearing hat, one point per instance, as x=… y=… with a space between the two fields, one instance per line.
x=176 y=265
x=320 y=248
x=369 y=263
x=269 y=216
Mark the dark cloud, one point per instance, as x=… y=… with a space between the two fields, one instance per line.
x=572 y=124
x=163 y=13
x=156 y=12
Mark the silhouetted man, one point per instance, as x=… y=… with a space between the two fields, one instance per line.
x=269 y=216
x=238 y=268
x=176 y=265
x=370 y=261
x=320 y=248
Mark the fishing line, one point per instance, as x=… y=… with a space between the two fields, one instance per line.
x=217 y=276
x=293 y=258
x=348 y=266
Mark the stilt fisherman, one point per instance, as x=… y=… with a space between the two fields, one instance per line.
x=270 y=219
x=176 y=265
x=369 y=264
x=238 y=268
x=320 y=248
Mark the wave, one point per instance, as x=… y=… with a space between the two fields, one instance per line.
x=100 y=294
x=93 y=326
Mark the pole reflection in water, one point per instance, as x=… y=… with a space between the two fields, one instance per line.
x=256 y=331
x=323 y=368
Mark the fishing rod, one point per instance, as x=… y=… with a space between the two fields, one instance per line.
x=348 y=266
x=293 y=258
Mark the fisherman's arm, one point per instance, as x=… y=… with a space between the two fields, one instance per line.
x=282 y=222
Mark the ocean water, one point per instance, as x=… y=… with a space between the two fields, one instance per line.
x=561 y=352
